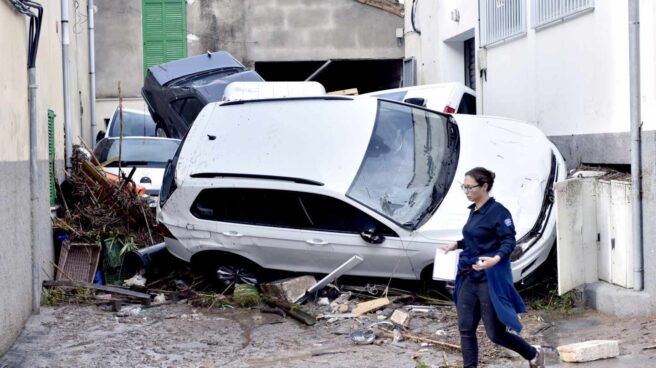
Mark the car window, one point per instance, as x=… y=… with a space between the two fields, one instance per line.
x=188 y=109
x=396 y=96
x=134 y=125
x=137 y=152
x=331 y=214
x=281 y=208
x=467 y=104
x=409 y=164
x=264 y=207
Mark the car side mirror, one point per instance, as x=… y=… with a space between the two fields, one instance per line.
x=100 y=135
x=416 y=101
x=370 y=236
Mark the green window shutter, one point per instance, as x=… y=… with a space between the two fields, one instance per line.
x=51 y=155
x=164 y=31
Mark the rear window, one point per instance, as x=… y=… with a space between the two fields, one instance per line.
x=467 y=105
x=134 y=125
x=137 y=152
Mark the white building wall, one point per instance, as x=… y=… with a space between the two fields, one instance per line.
x=438 y=50
x=569 y=78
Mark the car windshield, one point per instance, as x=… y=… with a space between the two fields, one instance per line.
x=134 y=125
x=137 y=152
x=409 y=164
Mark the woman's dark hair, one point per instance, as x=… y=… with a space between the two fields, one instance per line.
x=482 y=176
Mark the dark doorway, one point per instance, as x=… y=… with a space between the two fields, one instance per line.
x=367 y=75
x=470 y=63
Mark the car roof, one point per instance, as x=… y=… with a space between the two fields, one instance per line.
x=450 y=85
x=165 y=73
x=320 y=139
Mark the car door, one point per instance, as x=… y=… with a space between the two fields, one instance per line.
x=335 y=231
x=260 y=224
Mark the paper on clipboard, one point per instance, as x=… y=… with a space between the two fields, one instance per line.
x=445 y=266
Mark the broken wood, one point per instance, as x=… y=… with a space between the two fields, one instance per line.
x=86 y=285
x=369 y=306
x=422 y=339
x=293 y=311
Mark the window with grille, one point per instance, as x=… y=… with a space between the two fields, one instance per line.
x=501 y=20
x=546 y=12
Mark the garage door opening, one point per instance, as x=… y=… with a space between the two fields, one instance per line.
x=336 y=75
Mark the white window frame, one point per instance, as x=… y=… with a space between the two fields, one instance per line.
x=501 y=20
x=545 y=13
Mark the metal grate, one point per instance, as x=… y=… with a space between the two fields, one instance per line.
x=501 y=20
x=51 y=155
x=545 y=12
x=409 y=72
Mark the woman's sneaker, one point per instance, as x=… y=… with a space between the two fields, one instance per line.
x=538 y=361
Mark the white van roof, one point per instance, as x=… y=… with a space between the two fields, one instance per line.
x=240 y=91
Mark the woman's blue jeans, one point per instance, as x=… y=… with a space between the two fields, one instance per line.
x=473 y=304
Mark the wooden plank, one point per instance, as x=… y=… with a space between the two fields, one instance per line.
x=86 y=285
x=369 y=306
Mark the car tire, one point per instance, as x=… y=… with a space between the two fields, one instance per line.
x=227 y=274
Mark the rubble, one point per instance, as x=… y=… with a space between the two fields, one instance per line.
x=400 y=318
x=289 y=289
x=370 y=306
x=98 y=208
x=589 y=350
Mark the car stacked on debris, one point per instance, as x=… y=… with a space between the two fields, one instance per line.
x=177 y=91
x=305 y=184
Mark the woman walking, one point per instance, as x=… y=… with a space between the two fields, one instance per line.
x=484 y=287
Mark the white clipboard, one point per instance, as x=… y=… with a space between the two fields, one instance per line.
x=445 y=266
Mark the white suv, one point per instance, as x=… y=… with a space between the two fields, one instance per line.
x=304 y=184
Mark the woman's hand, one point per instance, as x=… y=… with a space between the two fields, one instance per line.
x=486 y=262
x=449 y=247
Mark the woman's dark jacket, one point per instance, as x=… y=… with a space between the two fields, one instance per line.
x=490 y=231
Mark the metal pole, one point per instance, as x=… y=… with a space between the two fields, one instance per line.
x=318 y=71
x=636 y=157
x=68 y=130
x=34 y=191
x=92 y=72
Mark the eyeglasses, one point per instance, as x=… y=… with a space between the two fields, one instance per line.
x=468 y=188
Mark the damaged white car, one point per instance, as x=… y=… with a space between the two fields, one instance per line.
x=304 y=184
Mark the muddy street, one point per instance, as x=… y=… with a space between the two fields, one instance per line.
x=179 y=335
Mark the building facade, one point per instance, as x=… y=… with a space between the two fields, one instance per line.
x=283 y=40
x=15 y=218
x=561 y=65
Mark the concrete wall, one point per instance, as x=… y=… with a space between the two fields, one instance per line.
x=15 y=223
x=251 y=30
x=119 y=43
x=292 y=30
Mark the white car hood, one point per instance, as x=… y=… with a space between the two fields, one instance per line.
x=154 y=173
x=518 y=153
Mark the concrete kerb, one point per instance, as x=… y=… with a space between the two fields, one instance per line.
x=618 y=301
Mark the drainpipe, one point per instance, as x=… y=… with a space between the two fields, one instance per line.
x=92 y=72
x=636 y=158
x=68 y=131
x=23 y=7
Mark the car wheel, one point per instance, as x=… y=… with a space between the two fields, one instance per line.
x=229 y=274
x=161 y=132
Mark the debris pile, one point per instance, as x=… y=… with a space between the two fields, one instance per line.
x=98 y=206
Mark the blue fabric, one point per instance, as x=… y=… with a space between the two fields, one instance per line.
x=490 y=231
